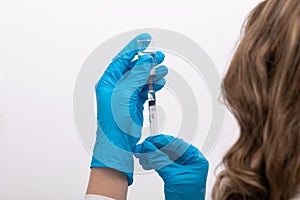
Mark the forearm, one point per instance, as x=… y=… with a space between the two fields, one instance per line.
x=108 y=182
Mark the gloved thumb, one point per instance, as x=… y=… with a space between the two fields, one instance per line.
x=177 y=149
x=150 y=157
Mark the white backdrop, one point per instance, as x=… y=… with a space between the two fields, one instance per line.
x=42 y=47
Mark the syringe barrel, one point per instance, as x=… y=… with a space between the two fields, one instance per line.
x=153 y=118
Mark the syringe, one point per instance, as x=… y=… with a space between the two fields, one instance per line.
x=151 y=93
x=152 y=105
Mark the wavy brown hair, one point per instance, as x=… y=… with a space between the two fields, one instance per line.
x=262 y=89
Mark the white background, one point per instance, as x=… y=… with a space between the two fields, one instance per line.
x=42 y=47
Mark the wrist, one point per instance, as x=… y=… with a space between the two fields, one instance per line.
x=106 y=182
x=108 y=155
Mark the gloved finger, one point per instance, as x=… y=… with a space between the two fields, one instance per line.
x=177 y=149
x=160 y=140
x=158 y=80
x=139 y=75
x=114 y=73
x=158 y=85
x=123 y=60
x=150 y=157
x=125 y=97
x=159 y=58
x=143 y=148
x=160 y=72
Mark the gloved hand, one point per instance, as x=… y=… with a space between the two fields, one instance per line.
x=121 y=93
x=181 y=166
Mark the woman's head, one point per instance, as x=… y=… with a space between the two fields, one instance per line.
x=262 y=90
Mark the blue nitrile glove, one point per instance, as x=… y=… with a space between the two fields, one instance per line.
x=181 y=166
x=121 y=93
